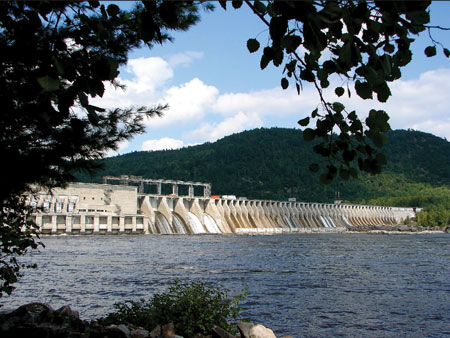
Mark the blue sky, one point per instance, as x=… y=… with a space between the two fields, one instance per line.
x=215 y=88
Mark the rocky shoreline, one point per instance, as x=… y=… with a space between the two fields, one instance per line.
x=37 y=320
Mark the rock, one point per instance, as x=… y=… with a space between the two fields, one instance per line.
x=244 y=328
x=260 y=331
x=218 y=332
x=156 y=332
x=66 y=311
x=168 y=331
x=140 y=333
x=118 y=331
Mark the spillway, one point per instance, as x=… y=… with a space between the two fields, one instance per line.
x=83 y=208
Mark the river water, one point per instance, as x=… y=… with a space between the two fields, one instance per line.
x=309 y=285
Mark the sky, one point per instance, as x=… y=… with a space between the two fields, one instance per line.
x=215 y=87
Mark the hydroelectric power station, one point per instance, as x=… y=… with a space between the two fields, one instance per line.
x=88 y=208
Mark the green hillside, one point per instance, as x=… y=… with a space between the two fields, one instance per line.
x=273 y=164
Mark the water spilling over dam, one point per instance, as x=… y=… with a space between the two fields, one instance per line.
x=88 y=208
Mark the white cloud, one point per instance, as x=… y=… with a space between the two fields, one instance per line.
x=162 y=144
x=150 y=74
x=187 y=102
x=274 y=102
x=234 y=124
x=184 y=59
x=420 y=103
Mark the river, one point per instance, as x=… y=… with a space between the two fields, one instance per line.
x=309 y=285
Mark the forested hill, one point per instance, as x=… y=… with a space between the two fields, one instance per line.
x=273 y=164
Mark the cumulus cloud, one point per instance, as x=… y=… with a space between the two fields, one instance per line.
x=267 y=102
x=187 y=102
x=417 y=103
x=149 y=75
x=234 y=124
x=162 y=144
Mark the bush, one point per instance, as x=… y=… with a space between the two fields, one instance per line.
x=193 y=307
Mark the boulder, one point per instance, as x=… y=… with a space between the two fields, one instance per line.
x=140 y=333
x=168 y=331
x=118 y=331
x=218 y=332
x=156 y=332
x=260 y=331
x=244 y=328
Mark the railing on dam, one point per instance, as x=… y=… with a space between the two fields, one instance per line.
x=100 y=208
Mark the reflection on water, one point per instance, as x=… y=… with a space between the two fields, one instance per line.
x=302 y=285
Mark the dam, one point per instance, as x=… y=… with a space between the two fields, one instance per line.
x=128 y=208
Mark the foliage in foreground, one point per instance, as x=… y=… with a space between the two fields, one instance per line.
x=16 y=238
x=193 y=307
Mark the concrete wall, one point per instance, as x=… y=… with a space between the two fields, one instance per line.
x=83 y=208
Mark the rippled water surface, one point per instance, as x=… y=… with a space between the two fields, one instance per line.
x=313 y=285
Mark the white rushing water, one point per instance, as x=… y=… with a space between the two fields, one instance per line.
x=195 y=224
x=331 y=222
x=162 y=224
x=178 y=224
x=211 y=225
x=324 y=222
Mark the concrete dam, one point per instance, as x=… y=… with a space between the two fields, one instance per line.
x=88 y=208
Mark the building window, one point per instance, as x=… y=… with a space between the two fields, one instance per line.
x=70 y=206
x=59 y=206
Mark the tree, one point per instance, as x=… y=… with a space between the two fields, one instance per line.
x=364 y=43
x=56 y=55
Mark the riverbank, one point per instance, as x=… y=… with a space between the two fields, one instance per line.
x=37 y=320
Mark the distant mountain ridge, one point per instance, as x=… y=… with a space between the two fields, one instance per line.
x=273 y=164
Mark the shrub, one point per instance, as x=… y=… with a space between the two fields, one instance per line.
x=193 y=307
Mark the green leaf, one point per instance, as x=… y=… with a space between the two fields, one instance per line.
x=264 y=61
x=381 y=159
x=113 y=10
x=304 y=122
x=363 y=89
x=291 y=43
x=338 y=107
x=339 y=91
x=252 y=45
x=309 y=134
x=236 y=4
x=260 y=7
x=378 y=119
x=267 y=56
x=278 y=57
x=383 y=92
x=284 y=83
x=314 y=113
x=446 y=52
x=430 y=51
x=48 y=83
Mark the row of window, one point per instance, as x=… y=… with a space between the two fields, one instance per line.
x=90 y=220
